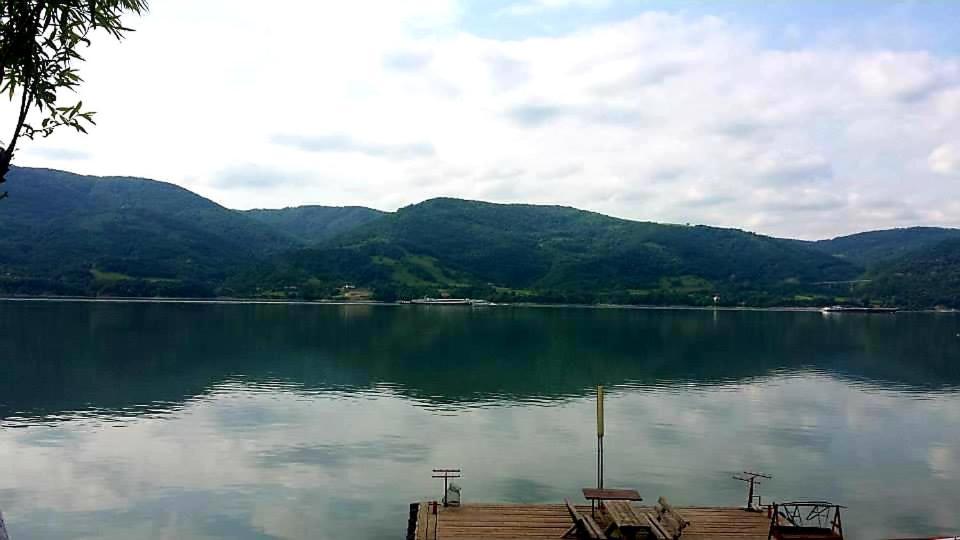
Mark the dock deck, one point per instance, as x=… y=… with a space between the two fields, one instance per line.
x=536 y=521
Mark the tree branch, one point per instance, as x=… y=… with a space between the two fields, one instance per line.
x=24 y=109
x=6 y=155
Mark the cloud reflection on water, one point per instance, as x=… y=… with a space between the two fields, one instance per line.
x=307 y=462
x=294 y=430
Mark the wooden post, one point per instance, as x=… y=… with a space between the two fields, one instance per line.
x=446 y=474
x=751 y=479
x=599 y=447
x=600 y=437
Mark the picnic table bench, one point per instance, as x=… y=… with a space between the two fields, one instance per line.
x=583 y=525
x=665 y=522
x=625 y=519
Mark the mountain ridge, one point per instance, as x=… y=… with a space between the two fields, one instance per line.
x=315 y=223
x=63 y=233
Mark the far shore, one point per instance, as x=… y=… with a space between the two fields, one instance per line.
x=228 y=300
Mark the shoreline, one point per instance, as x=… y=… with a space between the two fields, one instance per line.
x=262 y=301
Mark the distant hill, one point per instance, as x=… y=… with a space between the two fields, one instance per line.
x=70 y=228
x=557 y=253
x=928 y=277
x=315 y=224
x=873 y=247
x=62 y=233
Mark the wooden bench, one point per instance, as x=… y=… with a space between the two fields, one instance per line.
x=665 y=522
x=583 y=525
x=625 y=519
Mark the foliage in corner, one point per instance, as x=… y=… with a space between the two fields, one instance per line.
x=39 y=49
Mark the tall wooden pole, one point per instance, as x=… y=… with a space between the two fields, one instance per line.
x=600 y=437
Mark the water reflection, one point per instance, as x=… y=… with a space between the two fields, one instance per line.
x=199 y=421
x=65 y=357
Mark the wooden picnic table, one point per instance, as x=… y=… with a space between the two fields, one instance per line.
x=611 y=494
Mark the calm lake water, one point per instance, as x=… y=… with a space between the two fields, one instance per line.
x=180 y=421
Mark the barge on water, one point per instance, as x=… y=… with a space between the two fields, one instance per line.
x=858 y=309
x=449 y=302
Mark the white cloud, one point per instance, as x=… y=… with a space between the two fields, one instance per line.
x=537 y=6
x=345 y=143
x=59 y=154
x=945 y=159
x=659 y=117
x=904 y=76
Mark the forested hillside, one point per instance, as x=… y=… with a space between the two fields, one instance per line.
x=315 y=224
x=556 y=254
x=869 y=248
x=928 y=277
x=62 y=233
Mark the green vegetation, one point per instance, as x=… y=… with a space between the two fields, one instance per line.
x=71 y=234
x=314 y=224
x=60 y=226
x=557 y=254
x=870 y=248
x=929 y=277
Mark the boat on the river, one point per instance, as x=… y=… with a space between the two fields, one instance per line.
x=449 y=302
x=858 y=309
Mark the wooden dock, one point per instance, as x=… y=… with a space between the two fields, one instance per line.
x=536 y=521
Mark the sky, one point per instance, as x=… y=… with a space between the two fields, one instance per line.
x=801 y=119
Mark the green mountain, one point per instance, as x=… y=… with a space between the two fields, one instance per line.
x=64 y=233
x=315 y=224
x=869 y=248
x=556 y=253
x=928 y=277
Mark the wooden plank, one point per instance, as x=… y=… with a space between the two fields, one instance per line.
x=586 y=526
x=623 y=515
x=493 y=522
x=612 y=494
x=422 y=522
x=655 y=529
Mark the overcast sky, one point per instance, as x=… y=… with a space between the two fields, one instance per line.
x=800 y=119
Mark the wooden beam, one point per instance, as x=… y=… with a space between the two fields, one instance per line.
x=423 y=521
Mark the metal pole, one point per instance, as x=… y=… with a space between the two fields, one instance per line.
x=601 y=462
x=599 y=451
